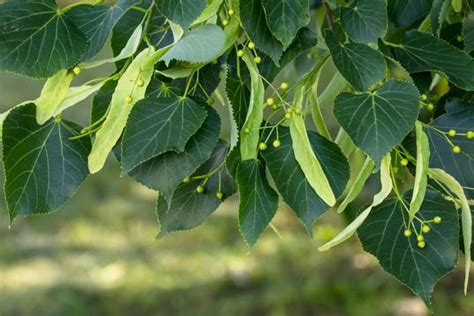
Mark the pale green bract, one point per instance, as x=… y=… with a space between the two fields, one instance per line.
x=306 y=158
x=466 y=216
x=387 y=187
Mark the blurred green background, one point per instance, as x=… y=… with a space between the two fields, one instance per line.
x=98 y=256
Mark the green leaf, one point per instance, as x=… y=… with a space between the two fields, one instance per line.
x=210 y=11
x=422 y=165
x=386 y=188
x=438 y=14
x=460 y=166
x=249 y=141
x=291 y=182
x=404 y=13
x=253 y=20
x=201 y=45
x=366 y=22
x=141 y=68
x=355 y=188
x=188 y=208
x=238 y=95
x=74 y=95
x=309 y=162
x=43 y=168
x=468 y=32
x=158 y=125
x=37 y=40
x=258 y=201
x=52 y=95
x=360 y=64
x=388 y=115
x=419 y=269
x=182 y=12
x=421 y=52
x=97 y=22
x=165 y=172
x=286 y=17
x=466 y=216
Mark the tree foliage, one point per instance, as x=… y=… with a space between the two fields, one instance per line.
x=402 y=89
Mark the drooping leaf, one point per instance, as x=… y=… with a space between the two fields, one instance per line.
x=421 y=52
x=52 y=95
x=141 y=68
x=200 y=45
x=97 y=22
x=159 y=125
x=308 y=161
x=253 y=20
x=466 y=216
x=291 y=182
x=249 y=141
x=238 y=95
x=404 y=13
x=418 y=268
x=460 y=166
x=388 y=115
x=361 y=65
x=422 y=165
x=37 y=40
x=165 y=172
x=43 y=168
x=366 y=22
x=258 y=201
x=468 y=32
x=386 y=188
x=286 y=17
x=188 y=208
x=438 y=15
x=182 y=12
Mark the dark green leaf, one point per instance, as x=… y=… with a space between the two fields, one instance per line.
x=182 y=12
x=361 y=65
x=366 y=22
x=97 y=21
x=468 y=32
x=438 y=14
x=37 y=40
x=420 y=52
x=404 y=13
x=286 y=17
x=158 y=125
x=101 y=101
x=165 y=172
x=460 y=166
x=258 y=201
x=253 y=20
x=188 y=208
x=43 y=168
x=291 y=182
x=419 y=269
x=379 y=121
x=238 y=95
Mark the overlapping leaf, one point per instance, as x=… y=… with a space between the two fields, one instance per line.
x=404 y=13
x=366 y=22
x=419 y=269
x=291 y=182
x=43 y=168
x=158 y=125
x=379 y=121
x=188 y=208
x=37 y=40
x=182 y=12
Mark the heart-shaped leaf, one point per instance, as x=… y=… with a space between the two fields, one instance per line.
x=182 y=12
x=366 y=22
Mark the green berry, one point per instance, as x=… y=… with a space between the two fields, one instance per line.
x=456 y=149
x=210 y=101
x=452 y=133
x=275 y=107
x=421 y=244
x=251 y=45
x=200 y=189
x=407 y=233
x=270 y=101
x=257 y=59
x=424 y=97
x=231 y=12
x=284 y=86
x=262 y=146
x=460 y=38
x=470 y=135
x=298 y=111
x=76 y=70
x=437 y=219
x=276 y=143
x=225 y=22
x=430 y=106
x=140 y=83
x=395 y=170
x=404 y=162
x=187 y=180
x=240 y=53
x=247 y=130
x=425 y=228
x=129 y=99
x=219 y=195
x=288 y=116
x=420 y=238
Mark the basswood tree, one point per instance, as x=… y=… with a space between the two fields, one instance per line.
x=402 y=93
